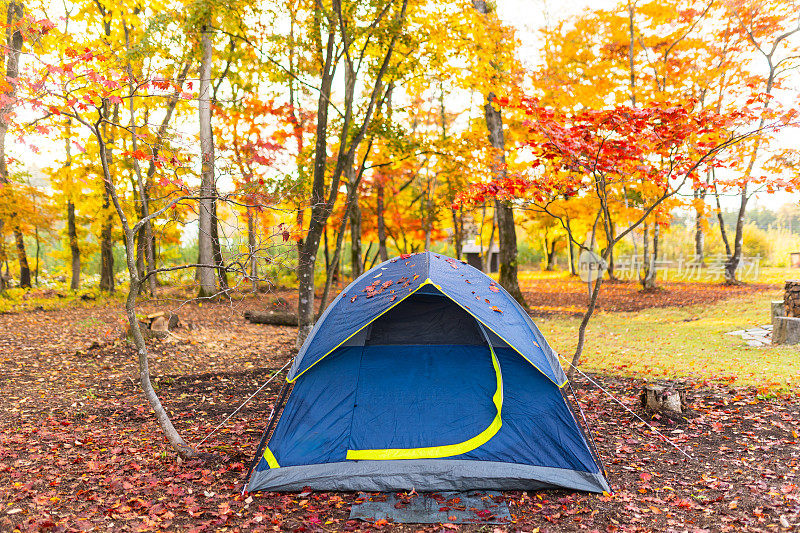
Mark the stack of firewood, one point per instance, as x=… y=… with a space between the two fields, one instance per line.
x=791 y=298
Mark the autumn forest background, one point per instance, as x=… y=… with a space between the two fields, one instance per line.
x=205 y=159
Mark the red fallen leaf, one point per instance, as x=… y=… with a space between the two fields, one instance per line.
x=487 y=300
x=405 y=256
x=497 y=309
x=484 y=513
x=353 y=299
x=645 y=476
x=443 y=509
x=494 y=288
x=468 y=281
x=393 y=298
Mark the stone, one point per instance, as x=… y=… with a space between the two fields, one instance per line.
x=787 y=331
x=159 y=324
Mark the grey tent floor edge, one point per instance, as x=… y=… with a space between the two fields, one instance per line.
x=428 y=475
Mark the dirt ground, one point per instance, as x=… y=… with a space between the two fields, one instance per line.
x=79 y=448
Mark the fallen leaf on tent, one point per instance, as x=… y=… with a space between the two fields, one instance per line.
x=405 y=256
x=497 y=309
x=468 y=281
x=487 y=300
x=353 y=299
x=416 y=276
x=494 y=288
x=393 y=298
x=378 y=275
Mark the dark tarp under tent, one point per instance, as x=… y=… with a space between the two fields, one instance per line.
x=426 y=374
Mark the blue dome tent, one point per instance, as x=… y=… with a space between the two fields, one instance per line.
x=424 y=373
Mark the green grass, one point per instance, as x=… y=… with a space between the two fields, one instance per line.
x=688 y=342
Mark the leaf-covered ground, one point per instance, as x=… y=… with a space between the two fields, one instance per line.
x=79 y=449
x=556 y=293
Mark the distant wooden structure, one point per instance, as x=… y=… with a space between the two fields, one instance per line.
x=472 y=253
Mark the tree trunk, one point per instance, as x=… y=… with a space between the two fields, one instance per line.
x=208 y=285
x=721 y=220
x=355 y=232
x=550 y=252
x=507 y=233
x=733 y=260
x=645 y=254
x=14 y=14
x=699 y=234
x=321 y=207
x=507 y=238
x=162 y=417
x=649 y=282
x=384 y=253
x=458 y=229
x=107 y=282
x=72 y=235
x=571 y=251
x=611 y=275
x=216 y=248
x=24 y=268
x=506 y=230
x=251 y=248
x=576 y=357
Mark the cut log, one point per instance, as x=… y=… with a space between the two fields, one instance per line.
x=273 y=318
x=663 y=400
x=777 y=310
x=786 y=331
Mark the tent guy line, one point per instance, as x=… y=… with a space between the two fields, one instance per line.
x=246 y=402
x=652 y=428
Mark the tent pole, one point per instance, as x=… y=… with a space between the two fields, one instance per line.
x=272 y=419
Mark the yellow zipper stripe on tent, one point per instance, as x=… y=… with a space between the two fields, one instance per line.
x=500 y=336
x=447 y=450
x=426 y=282
x=271 y=461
